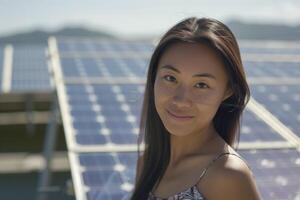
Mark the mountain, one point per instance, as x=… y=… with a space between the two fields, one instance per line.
x=41 y=37
x=242 y=30
x=264 y=31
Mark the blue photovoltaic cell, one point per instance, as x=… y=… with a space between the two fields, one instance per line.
x=282 y=101
x=1 y=66
x=138 y=67
x=274 y=172
x=125 y=66
x=253 y=129
x=105 y=67
x=91 y=67
x=272 y=69
x=141 y=46
x=108 y=112
x=113 y=67
x=106 y=174
x=86 y=46
x=75 y=67
x=290 y=51
x=73 y=46
x=30 y=69
x=69 y=67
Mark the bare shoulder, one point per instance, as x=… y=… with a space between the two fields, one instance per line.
x=231 y=177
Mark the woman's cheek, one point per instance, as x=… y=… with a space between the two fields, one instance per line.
x=206 y=98
x=208 y=106
x=162 y=90
x=162 y=94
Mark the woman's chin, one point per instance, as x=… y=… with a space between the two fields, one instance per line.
x=180 y=132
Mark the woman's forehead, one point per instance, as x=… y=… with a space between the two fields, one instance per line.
x=192 y=57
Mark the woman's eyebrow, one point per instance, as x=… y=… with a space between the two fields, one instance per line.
x=171 y=68
x=208 y=75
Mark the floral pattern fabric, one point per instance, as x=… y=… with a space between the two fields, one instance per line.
x=191 y=193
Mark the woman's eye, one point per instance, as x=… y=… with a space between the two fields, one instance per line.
x=201 y=85
x=169 y=78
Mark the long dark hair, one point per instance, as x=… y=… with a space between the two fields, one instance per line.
x=153 y=134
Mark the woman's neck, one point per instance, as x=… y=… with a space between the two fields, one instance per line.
x=199 y=142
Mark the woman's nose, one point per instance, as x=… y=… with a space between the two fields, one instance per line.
x=181 y=97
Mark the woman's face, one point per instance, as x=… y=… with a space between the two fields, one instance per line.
x=190 y=84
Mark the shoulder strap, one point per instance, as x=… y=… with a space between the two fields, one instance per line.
x=216 y=158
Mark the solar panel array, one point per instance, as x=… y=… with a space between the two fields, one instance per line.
x=100 y=85
x=28 y=70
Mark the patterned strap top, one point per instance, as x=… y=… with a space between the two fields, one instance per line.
x=191 y=193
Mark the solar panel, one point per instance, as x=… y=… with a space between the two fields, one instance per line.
x=255 y=129
x=86 y=45
x=111 y=175
x=282 y=101
x=275 y=172
x=100 y=87
x=103 y=67
x=106 y=175
x=30 y=69
x=272 y=69
x=113 y=115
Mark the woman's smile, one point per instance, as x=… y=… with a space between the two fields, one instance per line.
x=179 y=117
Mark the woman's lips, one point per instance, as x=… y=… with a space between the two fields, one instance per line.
x=179 y=117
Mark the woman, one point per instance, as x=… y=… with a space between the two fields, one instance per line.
x=195 y=94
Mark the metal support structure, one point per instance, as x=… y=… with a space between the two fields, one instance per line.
x=49 y=147
x=30 y=127
x=7 y=68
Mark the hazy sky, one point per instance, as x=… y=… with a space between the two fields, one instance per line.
x=138 y=17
